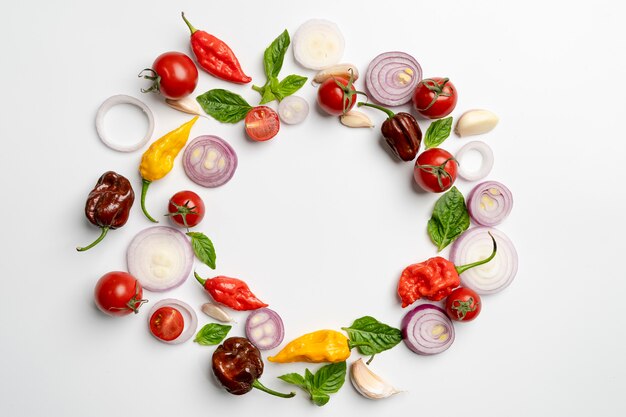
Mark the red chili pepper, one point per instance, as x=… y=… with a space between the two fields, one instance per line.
x=231 y=292
x=215 y=56
x=433 y=279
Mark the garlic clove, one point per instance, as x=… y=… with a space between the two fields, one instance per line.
x=475 y=122
x=186 y=105
x=216 y=312
x=368 y=384
x=355 y=118
x=340 y=70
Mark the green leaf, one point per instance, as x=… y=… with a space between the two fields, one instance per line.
x=212 y=334
x=203 y=248
x=450 y=218
x=380 y=336
x=267 y=95
x=327 y=380
x=437 y=132
x=224 y=106
x=275 y=54
x=289 y=85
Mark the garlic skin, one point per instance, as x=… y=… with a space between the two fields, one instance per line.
x=216 y=312
x=355 y=118
x=186 y=105
x=475 y=122
x=340 y=70
x=368 y=384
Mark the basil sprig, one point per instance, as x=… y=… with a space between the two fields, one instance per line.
x=327 y=380
x=212 y=334
x=273 y=62
x=203 y=248
x=437 y=132
x=372 y=336
x=224 y=106
x=450 y=218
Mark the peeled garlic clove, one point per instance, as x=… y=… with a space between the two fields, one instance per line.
x=355 y=118
x=186 y=105
x=340 y=70
x=475 y=122
x=216 y=312
x=368 y=384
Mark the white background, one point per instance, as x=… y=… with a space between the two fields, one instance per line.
x=320 y=220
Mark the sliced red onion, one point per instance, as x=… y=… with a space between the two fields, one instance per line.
x=427 y=330
x=475 y=244
x=114 y=101
x=293 y=110
x=391 y=78
x=189 y=316
x=489 y=203
x=209 y=161
x=160 y=257
x=265 y=329
x=486 y=162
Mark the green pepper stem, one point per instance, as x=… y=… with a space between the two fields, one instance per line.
x=144 y=190
x=191 y=28
x=381 y=108
x=257 y=384
x=105 y=229
x=199 y=278
x=463 y=268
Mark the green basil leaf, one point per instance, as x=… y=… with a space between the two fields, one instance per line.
x=450 y=218
x=437 y=132
x=267 y=95
x=289 y=85
x=319 y=398
x=379 y=335
x=330 y=378
x=203 y=248
x=275 y=54
x=223 y=105
x=295 y=379
x=212 y=334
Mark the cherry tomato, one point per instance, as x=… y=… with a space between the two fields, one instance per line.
x=186 y=209
x=435 y=170
x=435 y=97
x=167 y=323
x=174 y=75
x=262 y=123
x=118 y=293
x=463 y=304
x=336 y=96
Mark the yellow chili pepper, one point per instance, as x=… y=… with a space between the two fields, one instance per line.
x=319 y=346
x=158 y=160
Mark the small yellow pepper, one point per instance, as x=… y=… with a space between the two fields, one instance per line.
x=319 y=346
x=158 y=160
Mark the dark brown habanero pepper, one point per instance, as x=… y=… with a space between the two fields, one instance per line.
x=108 y=204
x=401 y=131
x=215 y=57
x=237 y=364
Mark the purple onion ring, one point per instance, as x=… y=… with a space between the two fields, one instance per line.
x=489 y=203
x=391 y=78
x=427 y=330
x=209 y=161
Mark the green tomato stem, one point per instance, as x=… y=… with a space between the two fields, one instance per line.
x=381 y=108
x=144 y=189
x=463 y=268
x=105 y=229
x=257 y=384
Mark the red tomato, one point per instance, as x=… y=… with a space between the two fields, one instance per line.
x=336 y=96
x=175 y=75
x=186 y=209
x=118 y=294
x=262 y=123
x=167 y=323
x=463 y=304
x=435 y=170
x=435 y=97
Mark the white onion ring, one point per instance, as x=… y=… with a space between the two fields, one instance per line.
x=189 y=318
x=114 y=101
x=209 y=161
x=148 y=259
x=427 y=330
x=485 y=165
x=489 y=203
x=475 y=244
x=318 y=44
x=386 y=78
x=293 y=110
